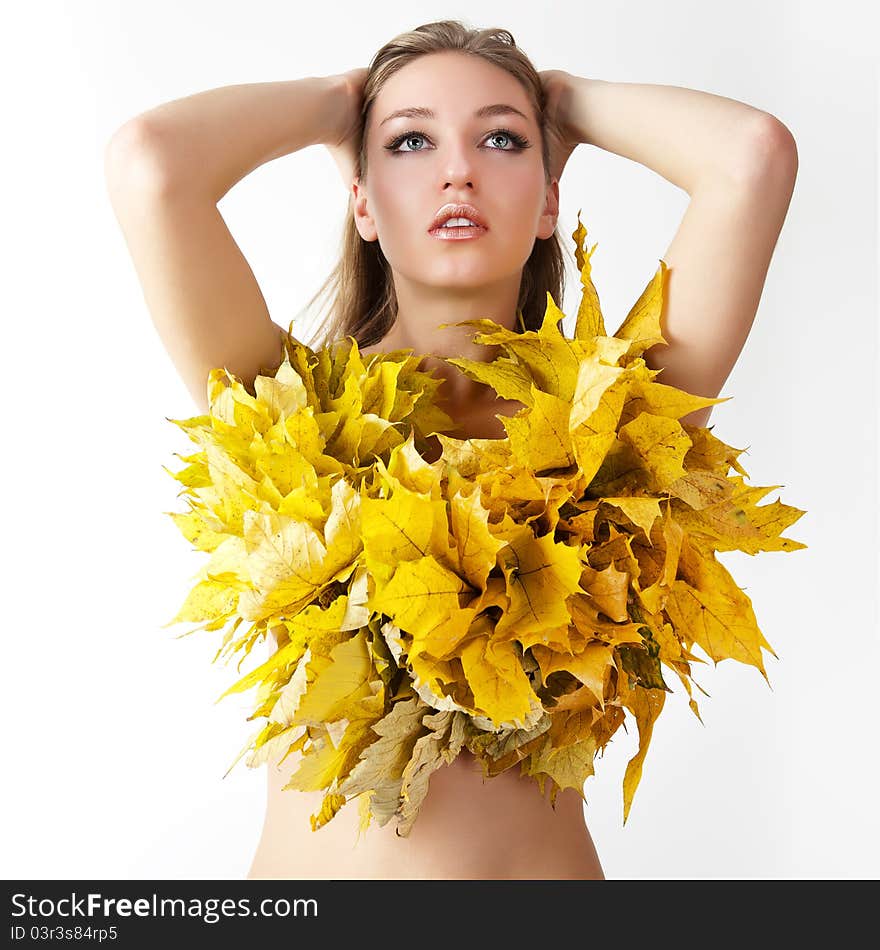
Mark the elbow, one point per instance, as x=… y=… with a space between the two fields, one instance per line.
x=769 y=149
x=133 y=158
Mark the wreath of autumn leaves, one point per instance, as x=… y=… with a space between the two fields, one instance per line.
x=515 y=597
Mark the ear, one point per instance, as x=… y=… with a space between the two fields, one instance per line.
x=550 y=216
x=363 y=221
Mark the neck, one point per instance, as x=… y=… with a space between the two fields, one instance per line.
x=421 y=310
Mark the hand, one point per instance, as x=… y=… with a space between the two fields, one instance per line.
x=344 y=145
x=561 y=139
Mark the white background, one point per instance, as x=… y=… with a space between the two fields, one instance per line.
x=114 y=748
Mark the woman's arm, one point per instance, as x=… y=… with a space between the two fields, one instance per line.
x=686 y=135
x=739 y=165
x=166 y=170
x=213 y=139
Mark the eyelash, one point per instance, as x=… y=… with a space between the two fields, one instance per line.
x=520 y=142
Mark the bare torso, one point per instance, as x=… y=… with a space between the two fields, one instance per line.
x=468 y=827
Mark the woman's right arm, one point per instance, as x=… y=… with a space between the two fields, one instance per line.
x=167 y=169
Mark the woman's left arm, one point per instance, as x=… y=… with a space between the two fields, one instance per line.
x=738 y=164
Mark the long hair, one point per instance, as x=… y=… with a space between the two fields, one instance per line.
x=363 y=302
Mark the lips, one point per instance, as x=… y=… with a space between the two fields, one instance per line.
x=457 y=211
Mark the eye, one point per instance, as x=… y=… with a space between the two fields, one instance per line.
x=519 y=141
x=407 y=136
x=506 y=135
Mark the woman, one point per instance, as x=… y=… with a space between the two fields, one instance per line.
x=420 y=138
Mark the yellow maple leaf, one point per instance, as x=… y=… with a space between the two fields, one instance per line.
x=422 y=596
x=710 y=609
x=646 y=705
x=494 y=672
x=541 y=573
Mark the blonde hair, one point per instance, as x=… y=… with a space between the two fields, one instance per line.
x=361 y=285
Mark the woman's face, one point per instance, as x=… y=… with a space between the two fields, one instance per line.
x=417 y=164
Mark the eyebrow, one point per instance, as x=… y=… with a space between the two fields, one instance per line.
x=421 y=112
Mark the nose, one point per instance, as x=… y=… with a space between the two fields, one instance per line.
x=458 y=169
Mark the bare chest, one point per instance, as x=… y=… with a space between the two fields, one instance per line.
x=480 y=421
